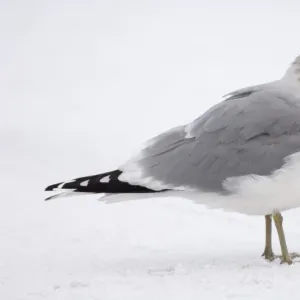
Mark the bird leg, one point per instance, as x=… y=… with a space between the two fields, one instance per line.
x=268 y=252
x=286 y=257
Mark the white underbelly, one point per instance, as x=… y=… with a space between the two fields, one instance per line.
x=244 y=205
x=259 y=195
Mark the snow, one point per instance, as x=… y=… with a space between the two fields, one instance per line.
x=82 y=84
x=84 y=249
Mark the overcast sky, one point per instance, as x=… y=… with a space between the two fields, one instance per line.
x=119 y=72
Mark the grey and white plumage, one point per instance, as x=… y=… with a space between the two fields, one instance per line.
x=248 y=137
x=242 y=155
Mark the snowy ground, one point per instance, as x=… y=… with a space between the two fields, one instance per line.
x=80 y=86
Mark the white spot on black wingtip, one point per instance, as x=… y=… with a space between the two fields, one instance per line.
x=84 y=183
x=105 y=179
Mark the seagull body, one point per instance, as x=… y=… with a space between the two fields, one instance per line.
x=241 y=155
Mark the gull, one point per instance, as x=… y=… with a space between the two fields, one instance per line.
x=241 y=155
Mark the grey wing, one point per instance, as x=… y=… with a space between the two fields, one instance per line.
x=250 y=134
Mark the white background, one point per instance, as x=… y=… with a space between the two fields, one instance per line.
x=82 y=84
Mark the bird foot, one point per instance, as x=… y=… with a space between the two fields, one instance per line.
x=268 y=254
x=285 y=259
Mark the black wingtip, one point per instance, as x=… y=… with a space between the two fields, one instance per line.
x=97 y=184
x=52 y=187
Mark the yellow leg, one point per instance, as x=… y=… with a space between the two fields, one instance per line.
x=278 y=220
x=268 y=252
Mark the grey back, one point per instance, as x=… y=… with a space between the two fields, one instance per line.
x=251 y=132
